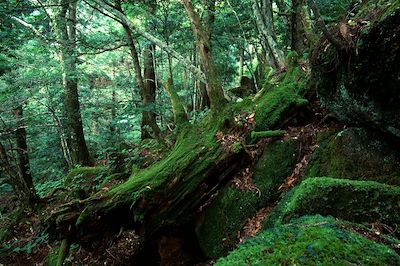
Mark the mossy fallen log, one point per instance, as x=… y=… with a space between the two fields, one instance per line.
x=172 y=191
x=218 y=228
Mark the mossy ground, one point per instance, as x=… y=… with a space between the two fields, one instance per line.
x=227 y=214
x=314 y=240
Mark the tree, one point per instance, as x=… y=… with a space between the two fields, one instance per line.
x=202 y=34
x=65 y=28
x=263 y=13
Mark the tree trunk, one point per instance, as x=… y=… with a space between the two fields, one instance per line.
x=332 y=39
x=149 y=95
x=66 y=31
x=23 y=159
x=202 y=35
x=263 y=13
x=146 y=85
x=297 y=28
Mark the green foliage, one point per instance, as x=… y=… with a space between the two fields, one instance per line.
x=314 y=240
x=28 y=247
x=332 y=10
x=84 y=180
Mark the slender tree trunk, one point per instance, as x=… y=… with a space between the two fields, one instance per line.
x=17 y=169
x=202 y=36
x=147 y=84
x=332 y=39
x=241 y=61
x=23 y=159
x=297 y=28
x=149 y=95
x=66 y=31
x=263 y=12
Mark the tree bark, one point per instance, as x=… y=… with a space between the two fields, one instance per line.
x=263 y=12
x=149 y=95
x=146 y=85
x=297 y=28
x=66 y=31
x=202 y=35
x=23 y=159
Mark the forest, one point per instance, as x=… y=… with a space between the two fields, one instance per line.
x=199 y=132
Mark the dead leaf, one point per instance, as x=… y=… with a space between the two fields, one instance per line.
x=343 y=29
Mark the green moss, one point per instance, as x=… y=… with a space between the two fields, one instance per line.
x=217 y=232
x=58 y=254
x=355 y=154
x=236 y=147
x=173 y=179
x=52 y=257
x=357 y=201
x=85 y=180
x=271 y=104
x=312 y=240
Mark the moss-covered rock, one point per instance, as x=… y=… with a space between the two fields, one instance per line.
x=221 y=221
x=356 y=201
x=356 y=153
x=363 y=88
x=314 y=240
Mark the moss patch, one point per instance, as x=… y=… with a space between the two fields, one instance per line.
x=357 y=154
x=227 y=214
x=312 y=240
x=357 y=201
x=274 y=100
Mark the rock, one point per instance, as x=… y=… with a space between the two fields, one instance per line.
x=314 y=240
x=355 y=201
x=358 y=154
x=364 y=88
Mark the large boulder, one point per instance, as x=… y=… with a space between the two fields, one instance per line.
x=358 y=154
x=357 y=201
x=314 y=240
x=363 y=87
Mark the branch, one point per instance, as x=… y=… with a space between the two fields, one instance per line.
x=104 y=50
x=161 y=44
x=322 y=24
x=29 y=26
